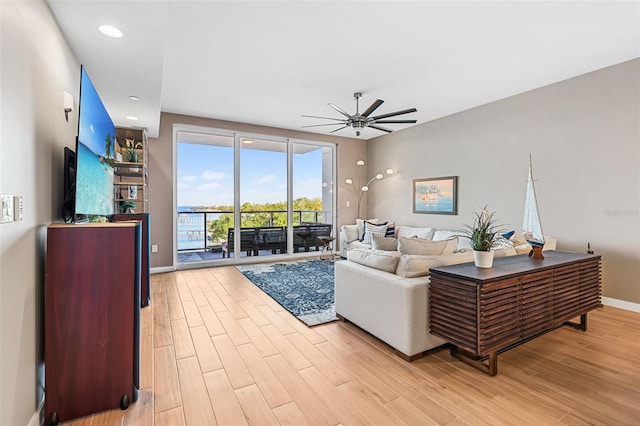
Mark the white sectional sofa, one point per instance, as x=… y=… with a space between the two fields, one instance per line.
x=386 y=292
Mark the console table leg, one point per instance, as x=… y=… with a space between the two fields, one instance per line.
x=491 y=367
x=582 y=326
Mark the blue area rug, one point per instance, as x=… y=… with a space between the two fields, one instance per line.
x=305 y=288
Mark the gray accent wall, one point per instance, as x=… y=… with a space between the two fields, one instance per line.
x=584 y=137
x=37 y=66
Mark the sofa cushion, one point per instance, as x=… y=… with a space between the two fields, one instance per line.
x=420 y=246
x=505 y=251
x=383 y=243
x=409 y=232
x=411 y=266
x=414 y=265
x=371 y=229
x=383 y=260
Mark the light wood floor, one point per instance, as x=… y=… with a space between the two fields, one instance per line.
x=217 y=350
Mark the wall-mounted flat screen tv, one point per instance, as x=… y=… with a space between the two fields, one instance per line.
x=95 y=150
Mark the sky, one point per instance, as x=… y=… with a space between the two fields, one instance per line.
x=205 y=175
x=94 y=123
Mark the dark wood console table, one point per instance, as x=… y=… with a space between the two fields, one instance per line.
x=483 y=312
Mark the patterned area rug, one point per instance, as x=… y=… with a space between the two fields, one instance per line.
x=304 y=288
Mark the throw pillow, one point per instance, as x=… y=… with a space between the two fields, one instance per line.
x=371 y=229
x=408 y=231
x=452 y=246
x=518 y=239
x=442 y=234
x=509 y=234
x=360 y=225
x=391 y=230
x=383 y=243
x=420 y=246
x=350 y=233
x=501 y=242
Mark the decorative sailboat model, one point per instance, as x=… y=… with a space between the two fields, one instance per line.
x=531 y=226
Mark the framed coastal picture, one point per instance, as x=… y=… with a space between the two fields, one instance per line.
x=435 y=195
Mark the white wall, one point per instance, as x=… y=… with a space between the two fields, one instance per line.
x=584 y=136
x=36 y=67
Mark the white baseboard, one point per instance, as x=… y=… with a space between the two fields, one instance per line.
x=161 y=269
x=39 y=414
x=622 y=304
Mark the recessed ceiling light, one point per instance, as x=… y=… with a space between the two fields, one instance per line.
x=131 y=117
x=134 y=98
x=110 y=31
x=247 y=141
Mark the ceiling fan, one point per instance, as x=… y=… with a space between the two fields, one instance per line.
x=360 y=121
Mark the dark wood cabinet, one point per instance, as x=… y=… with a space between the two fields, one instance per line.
x=92 y=318
x=145 y=290
x=482 y=312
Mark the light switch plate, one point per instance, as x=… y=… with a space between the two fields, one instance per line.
x=7 y=208
x=17 y=208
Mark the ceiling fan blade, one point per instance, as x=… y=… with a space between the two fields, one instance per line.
x=373 y=107
x=327 y=124
x=340 y=110
x=393 y=114
x=333 y=131
x=379 y=128
x=324 y=118
x=396 y=121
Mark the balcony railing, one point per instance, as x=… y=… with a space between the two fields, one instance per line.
x=194 y=231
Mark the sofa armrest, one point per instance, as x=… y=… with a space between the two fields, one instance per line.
x=348 y=234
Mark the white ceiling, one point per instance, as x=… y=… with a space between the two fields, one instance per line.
x=268 y=62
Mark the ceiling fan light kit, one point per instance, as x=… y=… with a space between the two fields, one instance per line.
x=359 y=121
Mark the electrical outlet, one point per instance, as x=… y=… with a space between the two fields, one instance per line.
x=7 y=208
x=348 y=203
x=154 y=248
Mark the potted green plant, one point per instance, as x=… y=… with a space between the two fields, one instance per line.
x=130 y=153
x=127 y=207
x=482 y=235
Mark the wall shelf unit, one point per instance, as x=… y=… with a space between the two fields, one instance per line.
x=131 y=174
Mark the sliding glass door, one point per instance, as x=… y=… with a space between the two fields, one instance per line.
x=263 y=196
x=240 y=196
x=204 y=193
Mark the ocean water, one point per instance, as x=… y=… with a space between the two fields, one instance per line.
x=94 y=184
x=444 y=204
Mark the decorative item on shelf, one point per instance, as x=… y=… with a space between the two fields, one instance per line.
x=130 y=151
x=482 y=235
x=127 y=207
x=531 y=225
x=361 y=189
x=133 y=192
